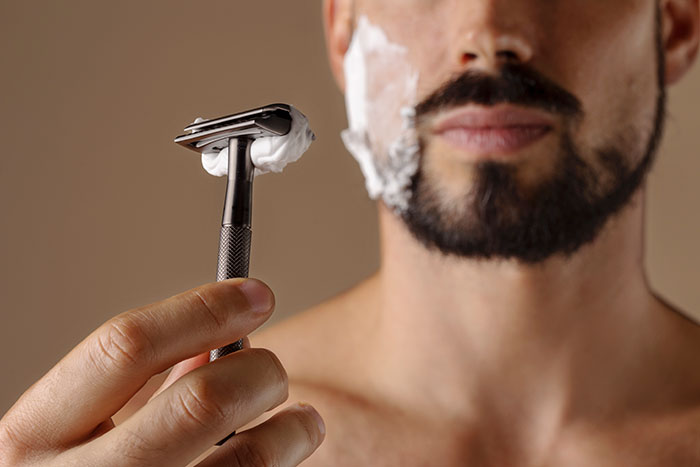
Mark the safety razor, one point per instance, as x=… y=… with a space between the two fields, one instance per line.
x=237 y=132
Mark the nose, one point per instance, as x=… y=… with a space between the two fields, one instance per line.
x=495 y=33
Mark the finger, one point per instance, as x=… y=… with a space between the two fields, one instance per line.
x=285 y=440
x=104 y=371
x=198 y=410
x=180 y=370
x=184 y=367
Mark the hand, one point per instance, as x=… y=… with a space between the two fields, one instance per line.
x=65 y=418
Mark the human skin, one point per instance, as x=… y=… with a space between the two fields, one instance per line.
x=66 y=417
x=449 y=361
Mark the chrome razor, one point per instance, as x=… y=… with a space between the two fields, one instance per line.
x=237 y=133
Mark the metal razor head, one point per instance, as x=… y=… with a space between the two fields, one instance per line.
x=214 y=134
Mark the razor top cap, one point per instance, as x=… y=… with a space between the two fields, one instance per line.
x=214 y=134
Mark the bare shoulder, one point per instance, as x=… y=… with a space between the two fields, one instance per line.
x=670 y=430
x=314 y=343
x=322 y=351
x=322 y=348
x=324 y=354
x=669 y=439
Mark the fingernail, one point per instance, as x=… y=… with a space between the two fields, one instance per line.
x=258 y=295
x=316 y=416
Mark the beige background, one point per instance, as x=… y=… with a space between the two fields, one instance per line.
x=102 y=212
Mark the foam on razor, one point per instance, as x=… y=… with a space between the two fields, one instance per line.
x=270 y=154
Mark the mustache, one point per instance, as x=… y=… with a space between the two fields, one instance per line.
x=516 y=84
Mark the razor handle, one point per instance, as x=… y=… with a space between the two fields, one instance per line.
x=234 y=242
x=234 y=258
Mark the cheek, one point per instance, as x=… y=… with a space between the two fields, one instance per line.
x=421 y=26
x=430 y=52
x=610 y=63
x=622 y=113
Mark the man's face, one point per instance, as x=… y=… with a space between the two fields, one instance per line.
x=537 y=118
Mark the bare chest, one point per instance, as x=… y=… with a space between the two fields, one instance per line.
x=358 y=435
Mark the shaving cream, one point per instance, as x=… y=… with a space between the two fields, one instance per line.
x=270 y=154
x=380 y=98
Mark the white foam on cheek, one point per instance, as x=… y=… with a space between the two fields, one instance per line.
x=380 y=97
x=270 y=154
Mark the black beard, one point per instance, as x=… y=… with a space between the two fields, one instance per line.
x=561 y=214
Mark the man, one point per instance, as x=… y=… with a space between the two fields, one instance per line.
x=510 y=323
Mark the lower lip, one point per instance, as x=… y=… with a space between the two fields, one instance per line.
x=494 y=140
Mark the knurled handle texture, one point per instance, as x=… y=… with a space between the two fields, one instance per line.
x=234 y=258
x=234 y=252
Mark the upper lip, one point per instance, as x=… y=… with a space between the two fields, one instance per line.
x=499 y=117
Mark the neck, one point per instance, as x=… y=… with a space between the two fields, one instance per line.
x=500 y=336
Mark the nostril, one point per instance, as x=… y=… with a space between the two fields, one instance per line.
x=468 y=57
x=508 y=56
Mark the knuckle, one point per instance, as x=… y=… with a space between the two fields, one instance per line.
x=253 y=454
x=122 y=343
x=13 y=449
x=135 y=448
x=208 y=306
x=197 y=403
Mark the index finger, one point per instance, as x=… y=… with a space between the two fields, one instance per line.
x=105 y=370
